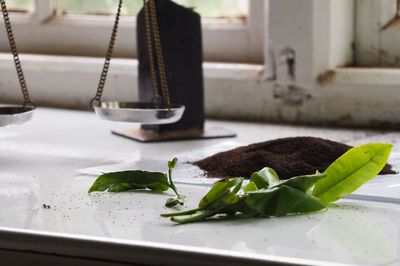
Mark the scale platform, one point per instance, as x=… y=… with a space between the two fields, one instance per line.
x=138 y=112
x=147 y=136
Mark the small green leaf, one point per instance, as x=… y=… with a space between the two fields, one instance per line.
x=172 y=202
x=127 y=180
x=172 y=163
x=350 y=171
x=265 y=178
x=251 y=186
x=223 y=192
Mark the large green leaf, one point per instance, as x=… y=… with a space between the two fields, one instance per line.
x=283 y=200
x=287 y=197
x=305 y=182
x=127 y=180
x=352 y=170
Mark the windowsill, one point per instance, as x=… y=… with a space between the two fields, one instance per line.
x=232 y=91
x=366 y=76
x=70 y=81
x=50 y=63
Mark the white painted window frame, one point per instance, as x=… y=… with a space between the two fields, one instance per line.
x=308 y=47
x=378 y=34
x=322 y=86
x=88 y=35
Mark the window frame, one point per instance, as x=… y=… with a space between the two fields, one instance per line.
x=57 y=34
x=377 y=35
x=325 y=88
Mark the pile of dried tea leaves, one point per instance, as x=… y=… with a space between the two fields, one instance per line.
x=288 y=156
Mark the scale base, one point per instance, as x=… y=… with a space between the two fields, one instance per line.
x=147 y=136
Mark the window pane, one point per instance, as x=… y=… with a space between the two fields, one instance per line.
x=207 y=8
x=218 y=8
x=130 y=7
x=19 y=5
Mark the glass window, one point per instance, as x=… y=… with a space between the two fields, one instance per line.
x=218 y=8
x=207 y=8
x=20 y=5
x=99 y=7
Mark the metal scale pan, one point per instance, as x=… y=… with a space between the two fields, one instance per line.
x=15 y=115
x=136 y=112
x=160 y=110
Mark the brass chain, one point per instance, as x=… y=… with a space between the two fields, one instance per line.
x=151 y=24
x=97 y=98
x=159 y=53
x=156 y=100
x=14 y=51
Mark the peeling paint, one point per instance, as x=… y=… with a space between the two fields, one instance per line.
x=326 y=77
x=291 y=94
x=395 y=21
x=288 y=58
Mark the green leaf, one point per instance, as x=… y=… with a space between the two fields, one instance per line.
x=350 y=171
x=127 y=180
x=303 y=183
x=283 y=200
x=265 y=178
x=179 y=198
x=172 y=202
x=287 y=197
x=172 y=163
x=251 y=186
x=222 y=193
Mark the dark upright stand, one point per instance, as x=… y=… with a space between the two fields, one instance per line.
x=180 y=34
x=181 y=41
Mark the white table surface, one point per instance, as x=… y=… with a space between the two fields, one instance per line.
x=52 y=159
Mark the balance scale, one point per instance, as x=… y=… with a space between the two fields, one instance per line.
x=159 y=111
x=155 y=113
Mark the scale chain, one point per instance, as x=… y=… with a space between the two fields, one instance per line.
x=159 y=53
x=156 y=100
x=14 y=51
x=151 y=25
x=97 y=99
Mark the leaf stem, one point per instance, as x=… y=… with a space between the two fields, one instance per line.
x=197 y=216
x=181 y=213
x=171 y=183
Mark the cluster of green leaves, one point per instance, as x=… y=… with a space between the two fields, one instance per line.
x=139 y=180
x=266 y=195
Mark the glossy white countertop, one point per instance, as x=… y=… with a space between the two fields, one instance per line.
x=50 y=161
